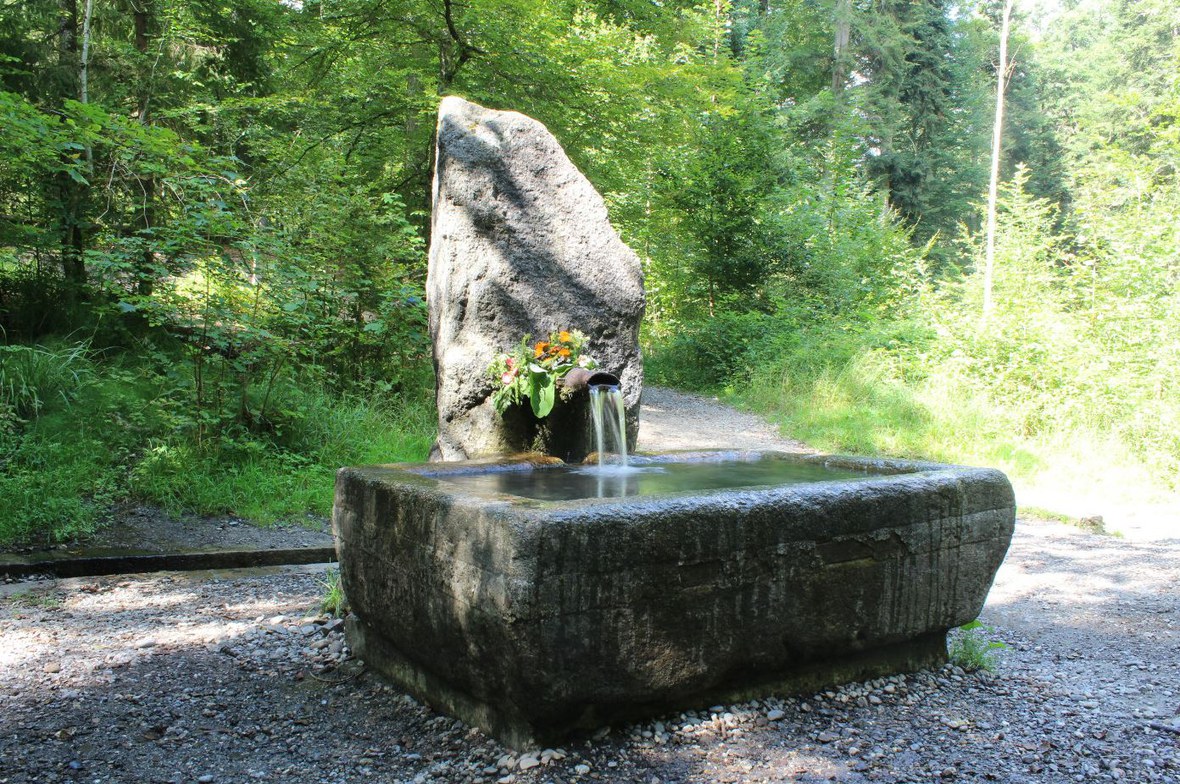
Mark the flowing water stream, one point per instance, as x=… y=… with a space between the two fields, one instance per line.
x=610 y=426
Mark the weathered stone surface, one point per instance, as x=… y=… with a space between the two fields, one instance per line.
x=531 y=619
x=520 y=244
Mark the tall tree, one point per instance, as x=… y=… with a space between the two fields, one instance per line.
x=1002 y=68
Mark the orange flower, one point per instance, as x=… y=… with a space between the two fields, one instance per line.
x=564 y=352
x=539 y=349
x=563 y=336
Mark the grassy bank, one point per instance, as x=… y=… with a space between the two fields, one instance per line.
x=83 y=432
x=902 y=389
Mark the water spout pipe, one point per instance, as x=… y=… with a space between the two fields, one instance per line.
x=581 y=378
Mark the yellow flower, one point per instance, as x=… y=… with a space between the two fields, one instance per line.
x=539 y=349
x=563 y=336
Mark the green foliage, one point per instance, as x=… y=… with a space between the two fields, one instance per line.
x=36 y=302
x=971 y=649
x=1044 y=389
x=724 y=190
x=334 y=602
x=243 y=196
x=288 y=471
x=235 y=214
x=33 y=378
x=62 y=470
x=709 y=354
x=128 y=434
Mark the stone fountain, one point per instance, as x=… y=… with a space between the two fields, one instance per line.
x=533 y=598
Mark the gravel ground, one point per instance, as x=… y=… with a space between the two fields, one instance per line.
x=236 y=677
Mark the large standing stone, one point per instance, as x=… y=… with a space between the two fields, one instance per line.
x=520 y=244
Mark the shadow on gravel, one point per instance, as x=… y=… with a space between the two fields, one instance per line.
x=170 y=679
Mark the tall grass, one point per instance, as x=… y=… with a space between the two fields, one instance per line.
x=51 y=482
x=915 y=401
x=294 y=475
x=34 y=377
x=1070 y=385
x=99 y=434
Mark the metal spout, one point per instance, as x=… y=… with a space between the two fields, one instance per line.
x=581 y=378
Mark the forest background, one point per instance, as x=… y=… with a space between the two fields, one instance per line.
x=214 y=217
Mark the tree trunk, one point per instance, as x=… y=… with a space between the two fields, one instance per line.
x=993 y=187
x=147 y=264
x=843 y=25
x=71 y=194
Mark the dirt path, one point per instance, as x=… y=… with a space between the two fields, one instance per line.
x=235 y=677
x=675 y=420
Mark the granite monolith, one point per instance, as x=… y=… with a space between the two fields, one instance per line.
x=521 y=244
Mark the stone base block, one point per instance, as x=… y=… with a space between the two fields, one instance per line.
x=533 y=619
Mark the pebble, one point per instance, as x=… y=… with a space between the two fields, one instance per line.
x=775 y=715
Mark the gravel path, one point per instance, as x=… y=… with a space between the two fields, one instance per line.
x=235 y=677
x=675 y=420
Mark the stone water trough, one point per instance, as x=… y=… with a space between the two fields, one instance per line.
x=531 y=607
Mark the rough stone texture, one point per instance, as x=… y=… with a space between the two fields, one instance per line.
x=520 y=244
x=531 y=619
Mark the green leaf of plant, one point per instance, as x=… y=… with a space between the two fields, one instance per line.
x=542 y=394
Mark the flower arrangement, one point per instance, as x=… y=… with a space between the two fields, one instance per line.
x=533 y=369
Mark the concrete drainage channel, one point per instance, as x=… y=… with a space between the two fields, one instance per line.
x=13 y=567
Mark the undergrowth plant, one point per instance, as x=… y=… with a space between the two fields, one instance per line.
x=35 y=377
x=127 y=434
x=971 y=649
x=288 y=472
x=334 y=602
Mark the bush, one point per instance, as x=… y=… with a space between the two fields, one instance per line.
x=57 y=479
x=716 y=352
x=35 y=301
x=288 y=471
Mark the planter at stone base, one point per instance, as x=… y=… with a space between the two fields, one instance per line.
x=532 y=619
x=566 y=433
